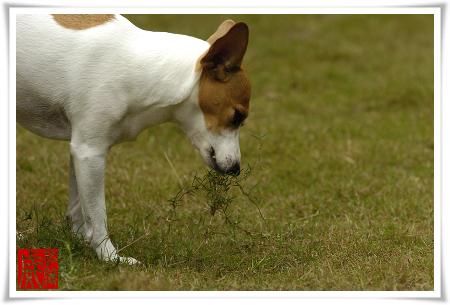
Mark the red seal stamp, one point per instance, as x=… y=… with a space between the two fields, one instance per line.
x=37 y=269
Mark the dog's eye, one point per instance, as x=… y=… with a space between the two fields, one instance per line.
x=238 y=119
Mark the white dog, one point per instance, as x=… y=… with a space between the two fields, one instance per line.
x=97 y=80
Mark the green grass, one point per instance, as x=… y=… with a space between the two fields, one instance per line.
x=344 y=173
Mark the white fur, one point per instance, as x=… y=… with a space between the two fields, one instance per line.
x=104 y=85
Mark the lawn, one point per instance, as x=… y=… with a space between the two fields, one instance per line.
x=340 y=195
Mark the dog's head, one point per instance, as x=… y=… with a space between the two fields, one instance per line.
x=223 y=98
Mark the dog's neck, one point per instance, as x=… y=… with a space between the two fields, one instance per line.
x=165 y=65
x=159 y=76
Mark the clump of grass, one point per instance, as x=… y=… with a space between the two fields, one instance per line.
x=219 y=190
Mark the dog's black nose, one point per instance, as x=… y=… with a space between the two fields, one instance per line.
x=234 y=170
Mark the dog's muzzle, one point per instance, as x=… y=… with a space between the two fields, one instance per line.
x=234 y=169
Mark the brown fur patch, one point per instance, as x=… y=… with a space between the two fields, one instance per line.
x=221 y=30
x=219 y=100
x=198 y=64
x=224 y=88
x=81 y=21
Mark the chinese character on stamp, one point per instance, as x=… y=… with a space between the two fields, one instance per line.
x=37 y=269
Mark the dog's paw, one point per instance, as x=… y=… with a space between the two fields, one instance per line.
x=122 y=260
x=129 y=260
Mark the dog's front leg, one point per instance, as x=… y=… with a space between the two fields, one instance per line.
x=74 y=211
x=87 y=198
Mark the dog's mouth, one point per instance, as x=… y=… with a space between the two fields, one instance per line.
x=235 y=169
x=213 y=160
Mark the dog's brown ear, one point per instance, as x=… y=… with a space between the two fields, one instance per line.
x=228 y=46
x=221 y=30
